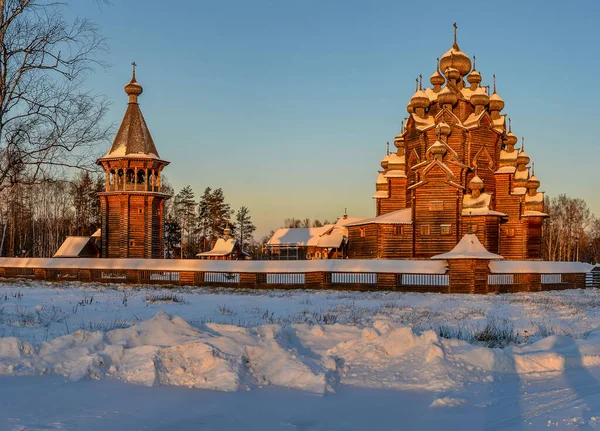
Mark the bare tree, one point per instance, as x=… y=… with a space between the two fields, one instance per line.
x=47 y=121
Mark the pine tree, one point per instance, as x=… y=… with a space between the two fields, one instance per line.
x=185 y=209
x=245 y=227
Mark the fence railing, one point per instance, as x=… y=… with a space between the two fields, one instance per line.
x=424 y=280
x=353 y=278
x=285 y=278
x=221 y=277
x=551 y=278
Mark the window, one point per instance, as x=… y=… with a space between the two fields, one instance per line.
x=445 y=229
x=436 y=206
x=397 y=230
x=426 y=230
x=131 y=243
x=362 y=232
x=509 y=232
x=141 y=210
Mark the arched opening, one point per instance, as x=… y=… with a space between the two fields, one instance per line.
x=120 y=177
x=151 y=178
x=130 y=176
x=111 y=177
x=141 y=176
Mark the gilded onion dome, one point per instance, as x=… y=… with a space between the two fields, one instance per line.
x=447 y=97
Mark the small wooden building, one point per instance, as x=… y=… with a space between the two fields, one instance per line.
x=326 y=242
x=226 y=248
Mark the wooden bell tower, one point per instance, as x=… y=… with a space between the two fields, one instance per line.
x=132 y=203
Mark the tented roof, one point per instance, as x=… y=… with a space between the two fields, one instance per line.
x=469 y=247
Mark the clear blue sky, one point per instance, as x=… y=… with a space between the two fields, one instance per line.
x=287 y=105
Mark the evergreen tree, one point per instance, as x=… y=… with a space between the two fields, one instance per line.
x=245 y=227
x=185 y=210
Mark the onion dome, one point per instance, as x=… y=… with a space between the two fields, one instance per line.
x=452 y=74
x=409 y=108
x=523 y=158
x=381 y=180
x=456 y=59
x=474 y=77
x=438 y=150
x=133 y=88
x=496 y=102
x=437 y=78
x=443 y=129
x=476 y=183
x=479 y=97
x=511 y=138
x=533 y=183
x=447 y=97
x=419 y=100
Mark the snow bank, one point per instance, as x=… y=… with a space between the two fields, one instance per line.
x=166 y=350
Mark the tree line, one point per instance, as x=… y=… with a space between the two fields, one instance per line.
x=194 y=226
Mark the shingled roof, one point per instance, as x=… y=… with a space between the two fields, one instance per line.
x=133 y=138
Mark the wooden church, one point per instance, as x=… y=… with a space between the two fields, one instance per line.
x=132 y=202
x=455 y=168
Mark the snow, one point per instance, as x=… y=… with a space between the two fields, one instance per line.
x=403 y=216
x=522 y=175
x=479 y=206
x=72 y=246
x=519 y=191
x=532 y=213
x=538 y=267
x=174 y=265
x=298 y=236
x=469 y=247
x=267 y=360
x=381 y=194
x=396 y=173
x=222 y=248
x=506 y=169
x=381 y=179
x=537 y=198
x=512 y=156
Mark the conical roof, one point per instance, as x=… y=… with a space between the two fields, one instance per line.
x=469 y=247
x=133 y=138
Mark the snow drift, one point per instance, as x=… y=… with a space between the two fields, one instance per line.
x=167 y=350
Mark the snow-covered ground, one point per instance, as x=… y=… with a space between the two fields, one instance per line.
x=307 y=360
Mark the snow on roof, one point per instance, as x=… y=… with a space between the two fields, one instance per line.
x=299 y=236
x=222 y=248
x=505 y=155
x=469 y=247
x=396 y=173
x=289 y=266
x=381 y=194
x=381 y=179
x=479 y=206
x=506 y=170
x=530 y=213
x=522 y=175
x=538 y=197
x=97 y=234
x=519 y=191
x=73 y=246
x=538 y=267
x=403 y=216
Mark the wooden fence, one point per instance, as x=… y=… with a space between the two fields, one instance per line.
x=355 y=277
